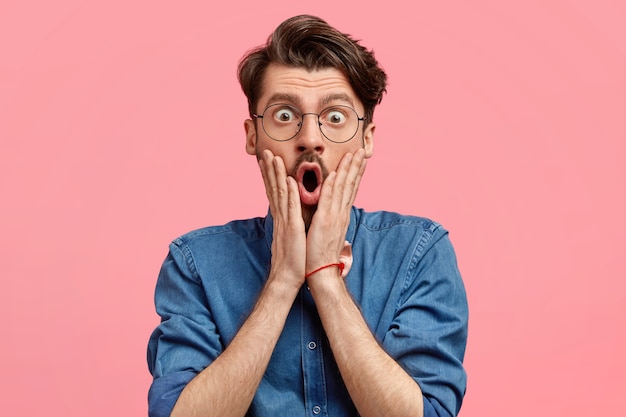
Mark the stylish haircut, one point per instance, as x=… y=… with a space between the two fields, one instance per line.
x=311 y=43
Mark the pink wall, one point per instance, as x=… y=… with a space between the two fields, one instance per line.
x=121 y=128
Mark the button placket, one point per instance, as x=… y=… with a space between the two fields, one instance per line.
x=315 y=395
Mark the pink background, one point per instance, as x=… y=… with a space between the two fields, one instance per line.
x=121 y=128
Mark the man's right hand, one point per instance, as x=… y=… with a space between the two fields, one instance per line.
x=289 y=239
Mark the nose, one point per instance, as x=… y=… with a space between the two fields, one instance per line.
x=310 y=136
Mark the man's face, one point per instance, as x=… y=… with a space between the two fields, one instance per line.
x=308 y=156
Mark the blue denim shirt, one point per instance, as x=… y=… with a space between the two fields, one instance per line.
x=404 y=277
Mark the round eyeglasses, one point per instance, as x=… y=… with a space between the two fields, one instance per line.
x=282 y=122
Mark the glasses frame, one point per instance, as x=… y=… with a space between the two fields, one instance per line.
x=319 y=123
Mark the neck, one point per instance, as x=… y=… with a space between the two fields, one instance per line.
x=307 y=216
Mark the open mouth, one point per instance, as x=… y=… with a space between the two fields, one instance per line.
x=310 y=181
x=309 y=177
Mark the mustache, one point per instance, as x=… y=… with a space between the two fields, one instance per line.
x=310 y=157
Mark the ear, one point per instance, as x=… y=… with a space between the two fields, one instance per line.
x=368 y=139
x=250 y=128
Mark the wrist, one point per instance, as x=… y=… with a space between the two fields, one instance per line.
x=284 y=281
x=337 y=265
x=325 y=281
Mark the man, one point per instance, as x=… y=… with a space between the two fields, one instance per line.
x=319 y=308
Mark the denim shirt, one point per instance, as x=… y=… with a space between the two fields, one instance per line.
x=404 y=277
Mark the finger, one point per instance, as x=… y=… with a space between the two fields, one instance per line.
x=282 y=194
x=269 y=179
x=357 y=169
x=349 y=173
x=338 y=185
x=326 y=194
x=293 y=202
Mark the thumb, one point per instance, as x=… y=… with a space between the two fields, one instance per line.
x=346 y=258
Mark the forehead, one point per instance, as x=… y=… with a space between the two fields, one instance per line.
x=306 y=89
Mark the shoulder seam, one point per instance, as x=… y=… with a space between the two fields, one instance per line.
x=188 y=256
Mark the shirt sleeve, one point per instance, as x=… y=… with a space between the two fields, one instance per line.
x=428 y=334
x=185 y=342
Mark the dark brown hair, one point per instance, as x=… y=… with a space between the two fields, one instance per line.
x=311 y=43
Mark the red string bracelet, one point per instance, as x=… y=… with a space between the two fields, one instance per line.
x=339 y=265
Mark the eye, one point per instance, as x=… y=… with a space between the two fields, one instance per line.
x=284 y=115
x=334 y=117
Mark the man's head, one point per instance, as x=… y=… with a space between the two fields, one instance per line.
x=311 y=94
x=309 y=42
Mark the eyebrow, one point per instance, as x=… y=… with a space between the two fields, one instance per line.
x=336 y=97
x=296 y=100
x=291 y=98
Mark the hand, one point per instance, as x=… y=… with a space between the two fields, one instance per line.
x=325 y=241
x=289 y=239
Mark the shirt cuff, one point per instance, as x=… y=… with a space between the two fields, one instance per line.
x=164 y=392
x=432 y=408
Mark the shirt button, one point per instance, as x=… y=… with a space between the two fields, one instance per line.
x=317 y=409
x=312 y=345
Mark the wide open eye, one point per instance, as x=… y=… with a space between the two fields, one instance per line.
x=334 y=117
x=284 y=114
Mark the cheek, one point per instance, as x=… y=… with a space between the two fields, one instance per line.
x=351 y=147
x=263 y=144
x=278 y=149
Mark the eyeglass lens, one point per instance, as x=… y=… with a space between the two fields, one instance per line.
x=338 y=123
